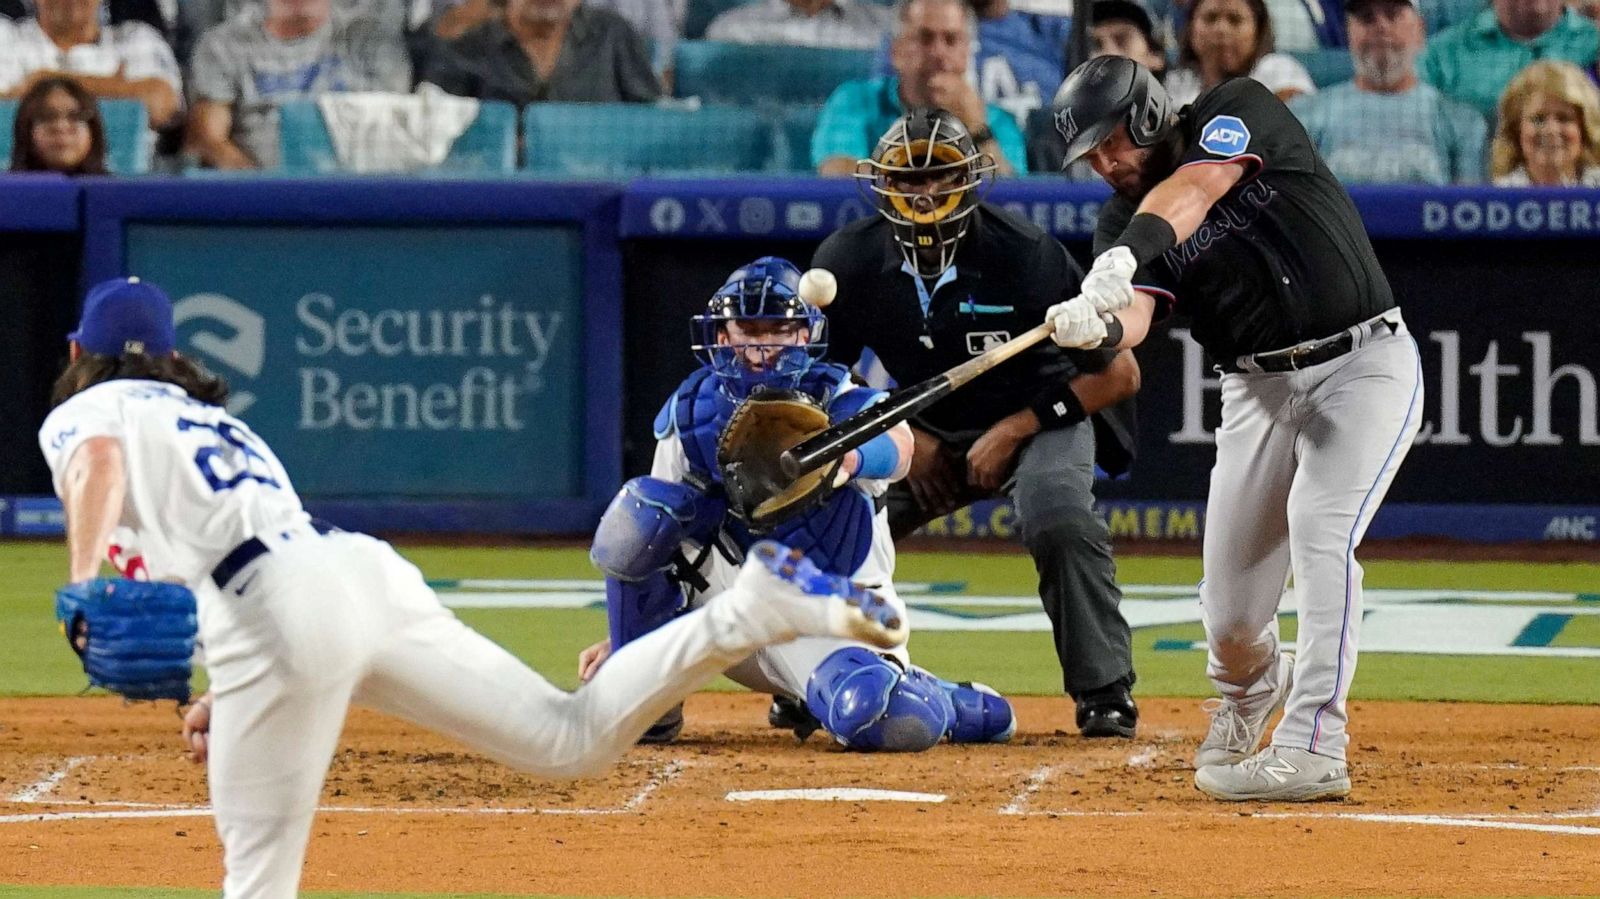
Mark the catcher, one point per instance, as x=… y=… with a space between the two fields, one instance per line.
x=671 y=539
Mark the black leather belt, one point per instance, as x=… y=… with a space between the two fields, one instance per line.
x=251 y=550
x=1312 y=352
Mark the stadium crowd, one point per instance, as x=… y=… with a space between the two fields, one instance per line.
x=1392 y=91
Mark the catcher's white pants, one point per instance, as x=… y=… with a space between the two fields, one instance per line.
x=323 y=621
x=785 y=668
x=1304 y=459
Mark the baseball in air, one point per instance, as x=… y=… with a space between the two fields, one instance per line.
x=817 y=287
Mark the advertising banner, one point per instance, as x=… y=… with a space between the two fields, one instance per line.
x=390 y=360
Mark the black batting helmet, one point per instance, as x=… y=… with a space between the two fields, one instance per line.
x=1107 y=91
x=926 y=172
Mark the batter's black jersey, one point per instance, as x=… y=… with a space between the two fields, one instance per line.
x=1282 y=258
x=1007 y=272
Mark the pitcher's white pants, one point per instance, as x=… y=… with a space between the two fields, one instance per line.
x=1304 y=459
x=323 y=621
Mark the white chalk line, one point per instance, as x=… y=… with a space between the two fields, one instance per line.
x=34 y=792
x=1530 y=822
x=1035 y=781
x=660 y=778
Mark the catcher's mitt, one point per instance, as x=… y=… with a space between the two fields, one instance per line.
x=766 y=424
x=135 y=638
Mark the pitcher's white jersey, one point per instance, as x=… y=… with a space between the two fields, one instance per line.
x=200 y=482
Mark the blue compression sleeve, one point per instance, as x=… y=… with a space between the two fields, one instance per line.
x=879 y=457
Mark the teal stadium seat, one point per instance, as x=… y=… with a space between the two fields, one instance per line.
x=610 y=140
x=128 y=138
x=487 y=147
x=1328 y=65
x=744 y=74
x=794 y=125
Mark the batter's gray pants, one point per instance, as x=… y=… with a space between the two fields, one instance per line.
x=1053 y=491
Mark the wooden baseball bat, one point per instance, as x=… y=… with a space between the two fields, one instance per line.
x=822 y=449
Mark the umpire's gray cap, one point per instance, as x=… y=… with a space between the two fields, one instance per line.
x=1104 y=92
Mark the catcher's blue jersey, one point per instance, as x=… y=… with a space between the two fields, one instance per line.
x=836 y=535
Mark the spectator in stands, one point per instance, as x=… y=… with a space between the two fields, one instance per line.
x=58 y=129
x=1123 y=28
x=1386 y=125
x=1299 y=25
x=1019 y=58
x=843 y=24
x=1474 y=60
x=1549 y=133
x=659 y=22
x=130 y=60
x=548 y=50
x=930 y=51
x=1227 y=39
x=290 y=50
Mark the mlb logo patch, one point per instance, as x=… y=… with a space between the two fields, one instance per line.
x=980 y=342
x=1225 y=135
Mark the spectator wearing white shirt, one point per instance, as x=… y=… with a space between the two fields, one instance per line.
x=843 y=24
x=1228 y=39
x=126 y=61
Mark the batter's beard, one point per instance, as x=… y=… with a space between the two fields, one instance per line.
x=1160 y=161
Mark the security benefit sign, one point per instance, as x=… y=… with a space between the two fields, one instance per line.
x=390 y=361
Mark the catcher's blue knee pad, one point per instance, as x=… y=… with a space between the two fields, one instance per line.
x=644 y=525
x=869 y=702
x=981 y=714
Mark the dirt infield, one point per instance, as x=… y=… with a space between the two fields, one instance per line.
x=1450 y=799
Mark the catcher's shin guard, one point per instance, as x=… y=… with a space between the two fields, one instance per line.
x=868 y=703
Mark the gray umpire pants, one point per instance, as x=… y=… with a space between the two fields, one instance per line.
x=1053 y=492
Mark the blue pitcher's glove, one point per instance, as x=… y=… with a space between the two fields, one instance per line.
x=135 y=638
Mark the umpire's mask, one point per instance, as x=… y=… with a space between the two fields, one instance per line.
x=925 y=173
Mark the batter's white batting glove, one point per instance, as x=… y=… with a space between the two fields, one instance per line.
x=1078 y=326
x=1109 y=284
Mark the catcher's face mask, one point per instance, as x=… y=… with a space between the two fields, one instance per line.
x=926 y=174
x=757 y=332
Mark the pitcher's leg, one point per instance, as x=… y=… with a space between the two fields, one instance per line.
x=1366 y=415
x=1246 y=544
x=270 y=745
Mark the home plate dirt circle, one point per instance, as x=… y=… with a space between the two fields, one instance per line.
x=1449 y=799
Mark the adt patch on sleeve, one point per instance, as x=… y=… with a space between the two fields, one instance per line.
x=1225 y=135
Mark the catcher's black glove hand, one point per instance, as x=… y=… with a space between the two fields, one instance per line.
x=135 y=638
x=765 y=425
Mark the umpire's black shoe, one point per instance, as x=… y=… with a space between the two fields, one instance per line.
x=667 y=728
x=792 y=714
x=1108 y=712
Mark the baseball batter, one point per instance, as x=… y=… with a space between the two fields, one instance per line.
x=300 y=619
x=673 y=530
x=1225 y=214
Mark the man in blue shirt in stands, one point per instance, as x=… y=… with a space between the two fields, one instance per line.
x=930 y=53
x=1387 y=126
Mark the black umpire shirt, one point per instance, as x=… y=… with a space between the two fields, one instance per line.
x=1282 y=258
x=1007 y=272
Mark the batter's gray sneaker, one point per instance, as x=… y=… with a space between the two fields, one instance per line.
x=1277 y=774
x=1235 y=736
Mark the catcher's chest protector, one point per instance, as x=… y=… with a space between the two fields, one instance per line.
x=836 y=535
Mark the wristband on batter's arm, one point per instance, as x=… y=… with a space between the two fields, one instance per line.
x=1147 y=236
x=1058 y=408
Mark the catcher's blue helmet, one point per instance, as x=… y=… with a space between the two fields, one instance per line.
x=776 y=336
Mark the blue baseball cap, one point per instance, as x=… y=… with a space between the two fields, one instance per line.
x=126 y=315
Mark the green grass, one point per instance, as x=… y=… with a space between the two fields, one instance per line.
x=34 y=661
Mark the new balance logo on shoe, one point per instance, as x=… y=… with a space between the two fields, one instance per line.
x=1280 y=770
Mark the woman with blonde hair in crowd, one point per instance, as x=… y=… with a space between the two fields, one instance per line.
x=1230 y=38
x=1549 y=131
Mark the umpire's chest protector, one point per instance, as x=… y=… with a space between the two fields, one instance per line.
x=837 y=535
